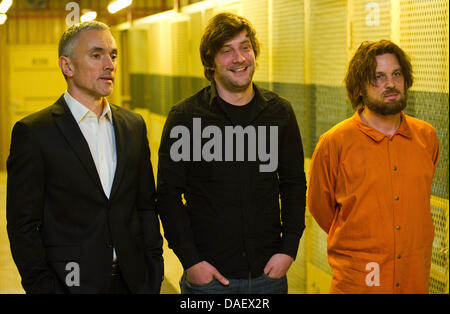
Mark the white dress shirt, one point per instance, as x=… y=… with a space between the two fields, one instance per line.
x=99 y=134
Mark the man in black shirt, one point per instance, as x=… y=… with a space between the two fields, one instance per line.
x=228 y=155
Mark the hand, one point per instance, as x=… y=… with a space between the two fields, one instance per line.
x=203 y=272
x=278 y=265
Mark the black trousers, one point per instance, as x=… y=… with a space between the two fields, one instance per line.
x=118 y=284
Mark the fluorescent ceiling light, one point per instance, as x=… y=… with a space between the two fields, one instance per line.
x=118 y=5
x=2 y=18
x=88 y=16
x=4 y=6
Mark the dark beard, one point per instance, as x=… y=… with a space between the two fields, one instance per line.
x=386 y=108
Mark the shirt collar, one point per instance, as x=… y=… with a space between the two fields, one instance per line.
x=258 y=94
x=213 y=94
x=376 y=135
x=79 y=111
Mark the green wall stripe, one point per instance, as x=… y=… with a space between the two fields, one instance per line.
x=317 y=108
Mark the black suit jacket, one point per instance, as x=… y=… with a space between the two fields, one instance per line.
x=57 y=212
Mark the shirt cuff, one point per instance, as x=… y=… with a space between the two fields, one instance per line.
x=290 y=244
x=188 y=255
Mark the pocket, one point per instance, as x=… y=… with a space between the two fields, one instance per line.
x=211 y=287
x=190 y=284
x=273 y=278
x=270 y=285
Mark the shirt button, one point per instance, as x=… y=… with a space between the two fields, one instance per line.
x=390 y=140
x=399 y=256
x=397 y=284
x=398 y=227
x=395 y=168
x=397 y=198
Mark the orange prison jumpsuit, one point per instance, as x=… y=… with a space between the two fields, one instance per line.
x=371 y=194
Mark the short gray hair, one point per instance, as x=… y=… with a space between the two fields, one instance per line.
x=69 y=39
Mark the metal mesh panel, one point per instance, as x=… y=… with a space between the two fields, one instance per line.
x=139 y=63
x=439 y=258
x=328 y=48
x=165 y=51
x=371 y=21
x=297 y=272
x=433 y=108
x=328 y=57
x=288 y=42
x=180 y=45
x=317 y=246
x=257 y=13
x=330 y=108
x=288 y=62
x=328 y=63
x=197 y=27
x=424 y=35
x=154 y=54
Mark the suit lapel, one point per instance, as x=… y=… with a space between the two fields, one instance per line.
x=71 y=131
x=120 y=132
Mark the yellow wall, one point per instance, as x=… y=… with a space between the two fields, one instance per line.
x=29 y=35
x=35 y=79
x=4 y=108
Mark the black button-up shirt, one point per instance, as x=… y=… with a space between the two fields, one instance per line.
x=227 y=211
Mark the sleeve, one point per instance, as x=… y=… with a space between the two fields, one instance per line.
x=322 y=182
x=146 y=206
x=171 y=184
x=292 y=186
x=24 y=212
x=435 y=155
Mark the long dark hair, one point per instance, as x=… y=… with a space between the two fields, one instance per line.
x=362 y=68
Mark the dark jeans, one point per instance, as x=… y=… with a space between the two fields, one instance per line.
x=259 y=285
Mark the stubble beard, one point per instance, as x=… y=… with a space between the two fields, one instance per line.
x=385 y=108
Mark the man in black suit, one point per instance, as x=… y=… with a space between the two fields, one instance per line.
x=80 y=190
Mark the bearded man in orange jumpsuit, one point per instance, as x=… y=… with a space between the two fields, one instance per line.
x=370 y=181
